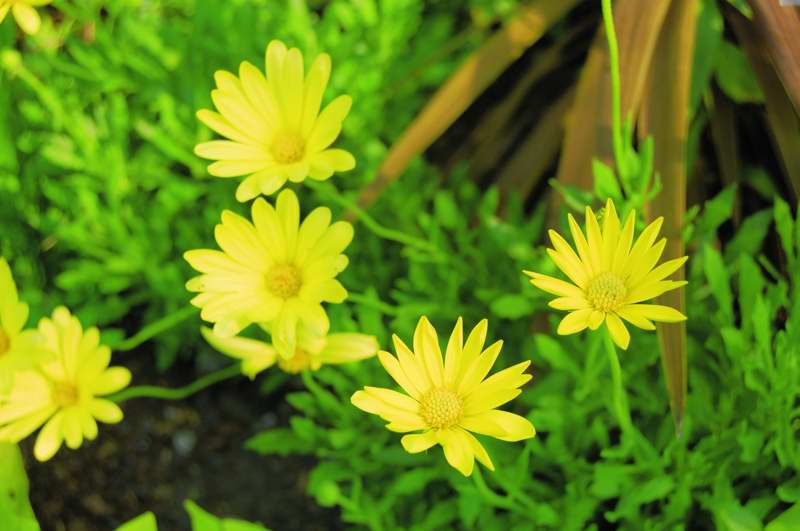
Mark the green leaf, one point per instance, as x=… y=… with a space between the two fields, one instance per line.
x=734 y=517
x=788 y=520
x=736 y=77
x=278 y=441
x=707 y=41
x=15 y=509
x=785 y=225
x=717 y=276
x=203 y=521
x=143 y=522
x=511 y=306
x=605 y=181
x=716 y=211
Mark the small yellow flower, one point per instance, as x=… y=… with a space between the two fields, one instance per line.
x=273 y=270
x=311 y=352
x=451 y=399
x=19 y=349
x=26 y=16
x=610 y=278
x=62 y=393
x=274 y=125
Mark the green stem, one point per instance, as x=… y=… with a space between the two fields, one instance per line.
x=620 y=398
x=166 y=393
x=613 y=55
x=153 y=329
x=371 y=301
x=488 y=494
x=372 y=225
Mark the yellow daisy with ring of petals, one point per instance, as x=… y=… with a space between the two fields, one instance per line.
x=273 y=124
x=63 y=394
x=611 y=276
x=273 y=270
x=449 y=399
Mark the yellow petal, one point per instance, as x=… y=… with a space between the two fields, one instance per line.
x=572 y=264
x=221 y=125
x=258 y=354
x=647 y=263
x=635 y=318
x=315 y=85
x=479 y=368
x=596 y=319
x=418 y=442
x=258 y=92
x=426 y=347
x=624 y=245
x=574 y=322
x=657 y=312
x=105 y=411
x=594 y=239
x=227 y=150
x=329 y=124
x=453 y=352
x=392 y=366
x=73 y=434
x=642 y=245
x=311 y=231
x=555 y=286
x=325 y=163
x=569 y=303
x=619 y=333
x=479 y=451
x=344 y=348
x=412 y=366
x=27 y=17
x=457 y=450
x=237 y=168
x=611 y=233
x=112 y=380
x=499 y=424
x=645 y=292
x=50 y=438
x=582 y=246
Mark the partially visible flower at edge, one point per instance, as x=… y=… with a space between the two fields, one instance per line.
x=24 y=13
x=611 y=276
x=311 y=352
x=273 y=270
x=62 y=394
x=19 y=348
x=274 y=125
x=449 y=399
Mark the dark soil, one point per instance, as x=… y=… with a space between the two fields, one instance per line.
x=163 y=453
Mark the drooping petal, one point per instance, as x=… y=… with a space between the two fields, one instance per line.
x=419 y=442
x=574 y=322
x=457 y=450
x=619 y=333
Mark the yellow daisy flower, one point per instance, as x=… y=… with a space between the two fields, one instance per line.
x=448 y=400
x=610 y=279
x=274 y=125
x=19 y=349
x=26 y=16
x=273 y=270
x=62 y=393
x=311 y=352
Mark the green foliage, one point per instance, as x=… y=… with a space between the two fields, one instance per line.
x=100 y=194
x=15 y=510
x=200 y=521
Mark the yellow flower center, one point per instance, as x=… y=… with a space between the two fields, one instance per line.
x=441 y=408
x=65 y=394
x=297 y=363
x=5 y=342
x=287 y=147
x=284 y=280
x=606 y=292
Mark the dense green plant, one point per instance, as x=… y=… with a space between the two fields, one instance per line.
x=101 y=193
